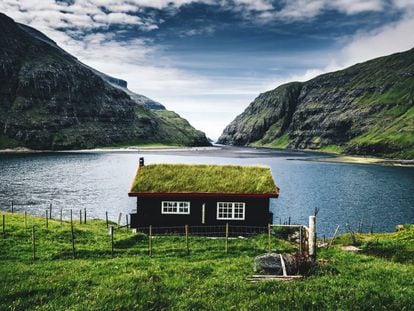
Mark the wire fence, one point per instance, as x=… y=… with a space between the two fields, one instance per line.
x=74 y=214
x=34 y=238
x=204 y=230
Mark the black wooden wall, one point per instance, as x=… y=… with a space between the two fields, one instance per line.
x=149 y=212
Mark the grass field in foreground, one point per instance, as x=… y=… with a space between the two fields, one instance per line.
x=207 y=279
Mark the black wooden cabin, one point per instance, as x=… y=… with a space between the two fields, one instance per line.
x=204 y=197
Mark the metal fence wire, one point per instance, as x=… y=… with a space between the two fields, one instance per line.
x=46 y=238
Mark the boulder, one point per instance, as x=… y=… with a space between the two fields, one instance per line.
x=270 y=263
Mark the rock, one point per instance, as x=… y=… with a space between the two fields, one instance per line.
x=399 y=228
x=270 y=264
x=350 y=248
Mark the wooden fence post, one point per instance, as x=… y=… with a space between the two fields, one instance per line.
x=269 y=245
x=61 y=216
x=360 y=227
x=25 y=220
x=71 y=218
x=73 y=242
x=186 y=240
x=333 y=237
x=312 y=236
x=12 y=206
x=150 y=241
x=80 y=216
x=111 y=232
x=47 y=219
x=119 y=219
x=84 y=215
x=34 y=243
x=4 y=226
x=107 y=222
x=50 y=211
x=227 y=237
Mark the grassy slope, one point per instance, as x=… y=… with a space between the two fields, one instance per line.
x=172 y=130
x=393 y=132
x=208 y=279
x=204 y=178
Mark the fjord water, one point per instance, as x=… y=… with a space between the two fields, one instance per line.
x=378 y=196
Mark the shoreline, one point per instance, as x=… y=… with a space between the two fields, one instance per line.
x=350 y=159
x=231 y=151
x=131 y=149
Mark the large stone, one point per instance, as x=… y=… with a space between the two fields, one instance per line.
x=271 y=263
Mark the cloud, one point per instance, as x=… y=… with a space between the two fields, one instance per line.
x=357 y=6
x=254 y=5
x=77 y=15
x=362 y=46
x=296 y=10
x=386 y=40
x=95 y=14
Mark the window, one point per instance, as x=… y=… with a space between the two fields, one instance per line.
x=174 y=207
x=230 y=210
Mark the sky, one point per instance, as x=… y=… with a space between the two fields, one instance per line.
x=208 y=59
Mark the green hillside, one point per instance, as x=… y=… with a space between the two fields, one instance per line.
x=50 y=100
x=366 y=109
x=380 y=278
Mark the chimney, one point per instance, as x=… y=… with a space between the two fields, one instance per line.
x=141 y=162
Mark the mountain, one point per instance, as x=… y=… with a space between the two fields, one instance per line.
x=50 y=100
x=366 y=109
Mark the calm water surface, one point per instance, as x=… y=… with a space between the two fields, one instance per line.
x=345 y=193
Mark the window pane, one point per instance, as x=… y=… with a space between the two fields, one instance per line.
x=175 y=207
x=230 y=210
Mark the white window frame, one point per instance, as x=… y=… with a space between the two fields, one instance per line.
x=232 y=207
x=174 y=208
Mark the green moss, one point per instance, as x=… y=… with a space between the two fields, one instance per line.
x=204 y=178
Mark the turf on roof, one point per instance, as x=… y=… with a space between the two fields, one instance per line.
x=181 y=178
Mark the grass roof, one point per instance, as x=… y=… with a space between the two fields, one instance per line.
x=183 y=178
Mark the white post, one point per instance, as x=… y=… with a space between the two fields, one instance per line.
x=312 y=236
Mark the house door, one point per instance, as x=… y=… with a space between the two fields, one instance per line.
x=203 y=213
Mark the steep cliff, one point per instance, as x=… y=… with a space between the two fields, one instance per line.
x=366 y=109
x=50 y=100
